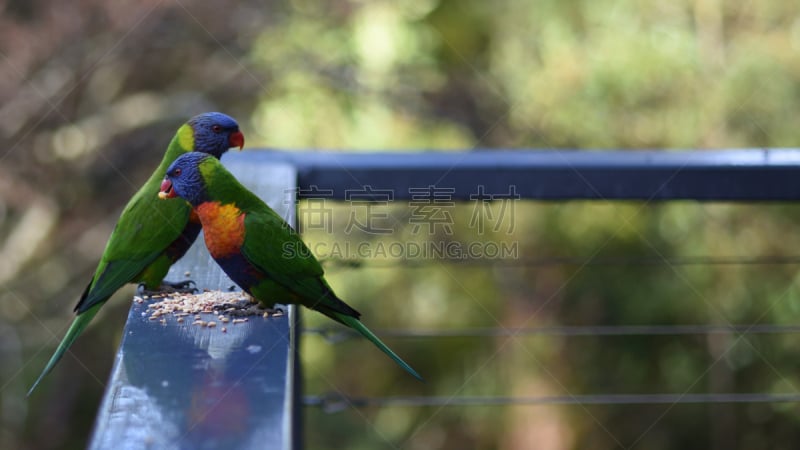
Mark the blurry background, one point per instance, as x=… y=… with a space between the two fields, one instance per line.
x=92 y=91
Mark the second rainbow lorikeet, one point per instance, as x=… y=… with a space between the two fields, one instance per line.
x=249 y=241
x=150 y=235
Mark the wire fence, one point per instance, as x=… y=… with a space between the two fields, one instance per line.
x=603 y=176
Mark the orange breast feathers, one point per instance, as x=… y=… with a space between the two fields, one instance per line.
x=223 y=228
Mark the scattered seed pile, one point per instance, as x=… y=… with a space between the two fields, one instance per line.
x=229 y=307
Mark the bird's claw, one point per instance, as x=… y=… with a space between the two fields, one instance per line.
x=168 y=287
x=185 y=286
x=243 y=309
x=142 y=290
x=275 y=311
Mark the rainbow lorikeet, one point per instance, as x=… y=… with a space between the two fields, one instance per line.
x=150 y=234
x=254 y=245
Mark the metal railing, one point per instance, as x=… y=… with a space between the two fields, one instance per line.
x=175 y=385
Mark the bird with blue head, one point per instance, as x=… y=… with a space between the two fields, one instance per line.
x=249 y=241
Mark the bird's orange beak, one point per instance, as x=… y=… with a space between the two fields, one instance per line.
x=236 y=139
x=166 y=190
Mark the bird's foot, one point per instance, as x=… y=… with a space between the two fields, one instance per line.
x=168 y=287
x=243 y=309
x=275 y=311
x=184 y=287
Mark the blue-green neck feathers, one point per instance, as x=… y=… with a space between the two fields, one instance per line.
x=198 y=178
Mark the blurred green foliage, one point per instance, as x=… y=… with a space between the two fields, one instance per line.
x=91 y=92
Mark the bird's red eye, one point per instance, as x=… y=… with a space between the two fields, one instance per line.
x=216 y=128
x=177 y=172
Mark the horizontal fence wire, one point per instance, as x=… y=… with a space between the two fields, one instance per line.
x=336 y=335
x=332 y=403
x=563 y=261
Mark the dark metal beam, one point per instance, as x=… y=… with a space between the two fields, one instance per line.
x=748 y=174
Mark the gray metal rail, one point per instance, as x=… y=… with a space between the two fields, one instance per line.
x=742 y=175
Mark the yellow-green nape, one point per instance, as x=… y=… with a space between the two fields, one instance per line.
x=208 y=166
x=186 y=137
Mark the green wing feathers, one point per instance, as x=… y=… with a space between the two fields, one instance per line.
x=145 y=229
x=77 y=327
x=277 y=250
x=274 y=247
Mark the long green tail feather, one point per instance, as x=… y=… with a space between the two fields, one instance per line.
x=356 y=324
x=80 y=322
